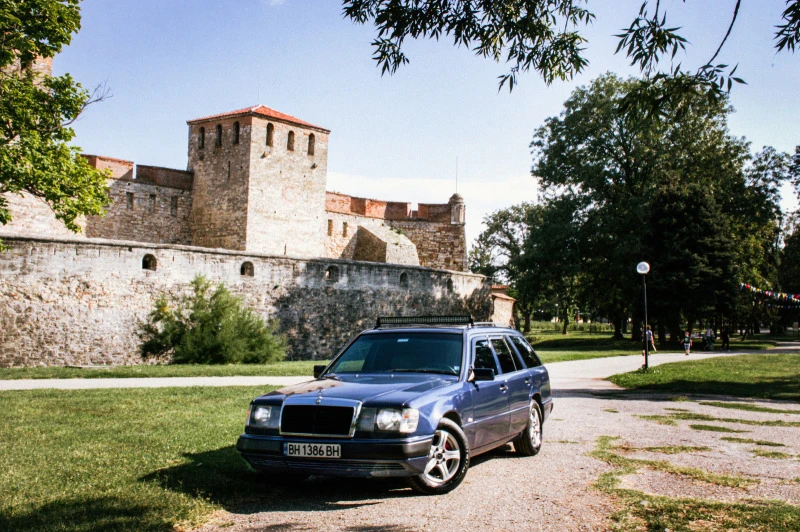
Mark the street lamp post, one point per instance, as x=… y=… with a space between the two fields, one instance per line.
x=643 y=269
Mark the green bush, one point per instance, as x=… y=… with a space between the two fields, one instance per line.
x=209 y=327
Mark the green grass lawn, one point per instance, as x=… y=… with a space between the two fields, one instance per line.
x=138 y=459
x=552 y=347
x=296 y=368
x=758 y=376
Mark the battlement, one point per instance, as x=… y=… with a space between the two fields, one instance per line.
x=122 y=170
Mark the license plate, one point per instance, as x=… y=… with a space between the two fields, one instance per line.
x=313 y=450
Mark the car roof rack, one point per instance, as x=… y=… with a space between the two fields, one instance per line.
x=384 y=321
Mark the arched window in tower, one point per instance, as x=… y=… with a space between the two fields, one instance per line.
x=311 y=141
x=219 y=135
x=404 y=280
x=290 y=141
x=270 y=133
x=450 y=288
x=149 y=262
x=247 y=269
x=236 y=132
x=201 y=138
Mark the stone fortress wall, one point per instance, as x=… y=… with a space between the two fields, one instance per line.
x=250 y=210
x=75 y=301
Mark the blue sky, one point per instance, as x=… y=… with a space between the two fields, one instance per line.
x=401 y=137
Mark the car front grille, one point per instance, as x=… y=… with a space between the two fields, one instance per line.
x=318 y=420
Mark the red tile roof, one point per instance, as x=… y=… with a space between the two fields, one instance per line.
x=260 y=110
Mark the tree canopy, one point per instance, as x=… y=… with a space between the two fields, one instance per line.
x=36 y=110
x=547 y=36
x=619 y=187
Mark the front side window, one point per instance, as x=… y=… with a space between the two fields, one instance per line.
x=504 y=356
x=484 y=358
x=402 y=352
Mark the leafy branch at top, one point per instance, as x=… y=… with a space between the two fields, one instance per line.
x=545 y=35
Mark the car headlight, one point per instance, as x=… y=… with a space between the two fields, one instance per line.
x=264 y=416
x=390 y=419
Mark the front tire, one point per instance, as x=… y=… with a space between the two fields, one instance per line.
x=529 y=443
x=448 y=461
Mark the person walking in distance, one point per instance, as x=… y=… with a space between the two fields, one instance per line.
x=687 y=342
x=650 y=340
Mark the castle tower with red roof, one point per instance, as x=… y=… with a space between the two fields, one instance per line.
x=259 y=182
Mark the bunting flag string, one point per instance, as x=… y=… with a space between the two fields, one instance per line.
x=771 y=298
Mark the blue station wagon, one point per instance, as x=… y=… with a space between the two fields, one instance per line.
x=414 y=397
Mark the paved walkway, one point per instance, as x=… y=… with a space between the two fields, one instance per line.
x=573 y=375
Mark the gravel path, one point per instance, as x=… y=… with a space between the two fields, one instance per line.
x=552 y=491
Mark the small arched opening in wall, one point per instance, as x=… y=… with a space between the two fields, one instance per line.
x=311 y=142
x=270 y=133
x=149 y=262
x=290 y=141
x=403 y=282
x=331 y=274
x=201 y=138
x=450 y=288
x=247 y=269
x=236 y=129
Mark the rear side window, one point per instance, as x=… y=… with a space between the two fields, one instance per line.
x=483 y=356
x=504 y=355
x=526 y=352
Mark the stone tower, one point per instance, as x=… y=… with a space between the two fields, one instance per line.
x=259 y=182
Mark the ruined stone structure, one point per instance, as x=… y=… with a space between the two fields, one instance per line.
x=250 y=210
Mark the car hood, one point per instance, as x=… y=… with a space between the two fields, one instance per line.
x=389 y=388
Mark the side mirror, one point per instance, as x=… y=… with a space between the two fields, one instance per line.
x=318 y=369
x=481 y=374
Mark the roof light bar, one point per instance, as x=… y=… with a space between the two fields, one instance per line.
x=424 y=320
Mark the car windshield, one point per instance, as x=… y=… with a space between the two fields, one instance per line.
x=394 y=352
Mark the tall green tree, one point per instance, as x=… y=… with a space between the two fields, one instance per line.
x=551 y=260
x=496 y=252
x=36 y=110
x=546 y=36
x=638 y=175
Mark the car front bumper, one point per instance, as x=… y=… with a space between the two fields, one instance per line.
x=360 y=458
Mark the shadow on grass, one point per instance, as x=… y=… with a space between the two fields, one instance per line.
x=780 y=389
x=572 y=343
x=99 y=514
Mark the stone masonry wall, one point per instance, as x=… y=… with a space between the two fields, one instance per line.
x=221 y=182
x=440 y=243
x=73 y=301
x=286 y=209
x=153 y=206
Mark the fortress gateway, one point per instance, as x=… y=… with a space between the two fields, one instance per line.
x=250 y=210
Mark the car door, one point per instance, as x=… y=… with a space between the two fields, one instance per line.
x=490 y=421
x=518 y=382
x=540 y=380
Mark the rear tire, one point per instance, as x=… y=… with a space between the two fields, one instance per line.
x=529 y=443
x=448 y=461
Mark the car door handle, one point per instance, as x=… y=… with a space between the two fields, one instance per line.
x=503 y=387
x=528 y=382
